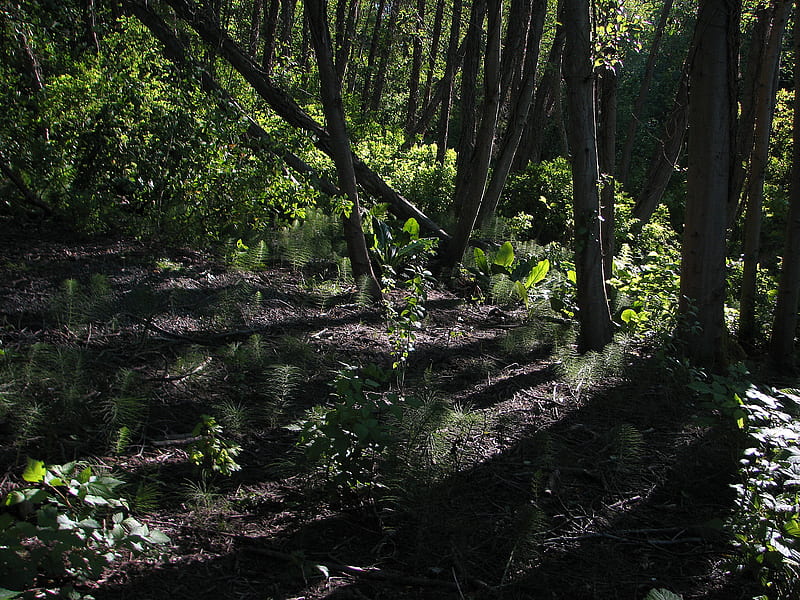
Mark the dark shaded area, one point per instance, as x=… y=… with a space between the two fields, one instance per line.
x=545 y=489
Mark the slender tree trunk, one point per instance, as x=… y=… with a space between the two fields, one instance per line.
x=416 y=67
x=433 y=50
x=644 y=92
x=471 y=181
x=745 y=130
x=270 y=32
x=606 y=150
x=373 y=55
x=330 y=89
x=665 y=159
x=519 y=115
x=764 y=103
x=386 y=53
x=784 y=326
x=545 y=98
x=255 y=27
x=593 y=312
x=468 y=105
x=712 y=119
x=287 y=22
x=343 y=49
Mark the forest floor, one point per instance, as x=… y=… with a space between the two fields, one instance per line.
x=536 y=483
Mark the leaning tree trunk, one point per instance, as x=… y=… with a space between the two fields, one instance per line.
x=784 y=326
x=712 y=118
x=593 y=312
x=764 y=103
x=330 y=90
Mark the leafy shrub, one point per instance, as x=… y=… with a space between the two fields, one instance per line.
x=766 y=523
x=68 y=522
x=210 y=452
x=348 y=437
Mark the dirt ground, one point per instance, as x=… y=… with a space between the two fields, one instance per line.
x=540 y=487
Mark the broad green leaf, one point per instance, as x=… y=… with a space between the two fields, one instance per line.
x=505 y=255
x=521 y=291
x=412 y=228
x=537 y=273
x=792 y=528
x=481 y=261
x=572 y=276
x=35 y=471
x=628 y=315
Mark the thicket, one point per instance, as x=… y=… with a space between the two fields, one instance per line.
x=119 y=141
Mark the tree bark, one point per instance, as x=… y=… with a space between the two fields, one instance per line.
x=471 y=181
x=515 y=127
x=468 y=105
x=665 y=160
x=644 y=92
x=343 y=47
x=433 y=51
x=545 y=99
x=607 y=155
x=255 y=27
x=372 y=56
x=416 y=66
x=270 y=31
x=764 y=104
x=784 y=326
x=330 y=90
x=593 y=311
x=386 y=53
x=712 y=119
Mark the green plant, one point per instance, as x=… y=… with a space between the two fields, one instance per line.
x=66 y=522
x=209 y=451
x=766 y=522
x=523 y=275
x=348 y=437
x=398 y=249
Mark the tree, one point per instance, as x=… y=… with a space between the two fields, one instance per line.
x=593 y=311
x=712 y=118
x=764 y=108
x=330 y=90
x=784 y=326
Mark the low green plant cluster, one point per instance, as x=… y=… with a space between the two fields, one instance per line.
x=520 y=275
x=64 y=526
x=766 y=522
x=210 y=451
x=348 y=437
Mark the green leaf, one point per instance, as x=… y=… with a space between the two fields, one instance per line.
x=792 y=528
x=8 y=594
x=35 y=471
x=521 y=291
x=481 y=261
x=538 y=273
x=662 y=594
x=412 y=228
x=572 y=276
x=628 y=315
x=505 y=256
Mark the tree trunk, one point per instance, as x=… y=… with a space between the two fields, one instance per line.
x=416 y=66
x=712 y=118
x=270 y=32
x=433 y=50
x=764 y=105
x=386 y=53
x=545 y=99
x=606 y=150
x=343 y=48
x=593 y=312
x=665 y=159
x=255 y=27
x=330 y=90
x=468 y=106
x=373 y=55
x=521 y=105
x=784 y=327
x=644 y=91
x=471 y=181
x=288 y=110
